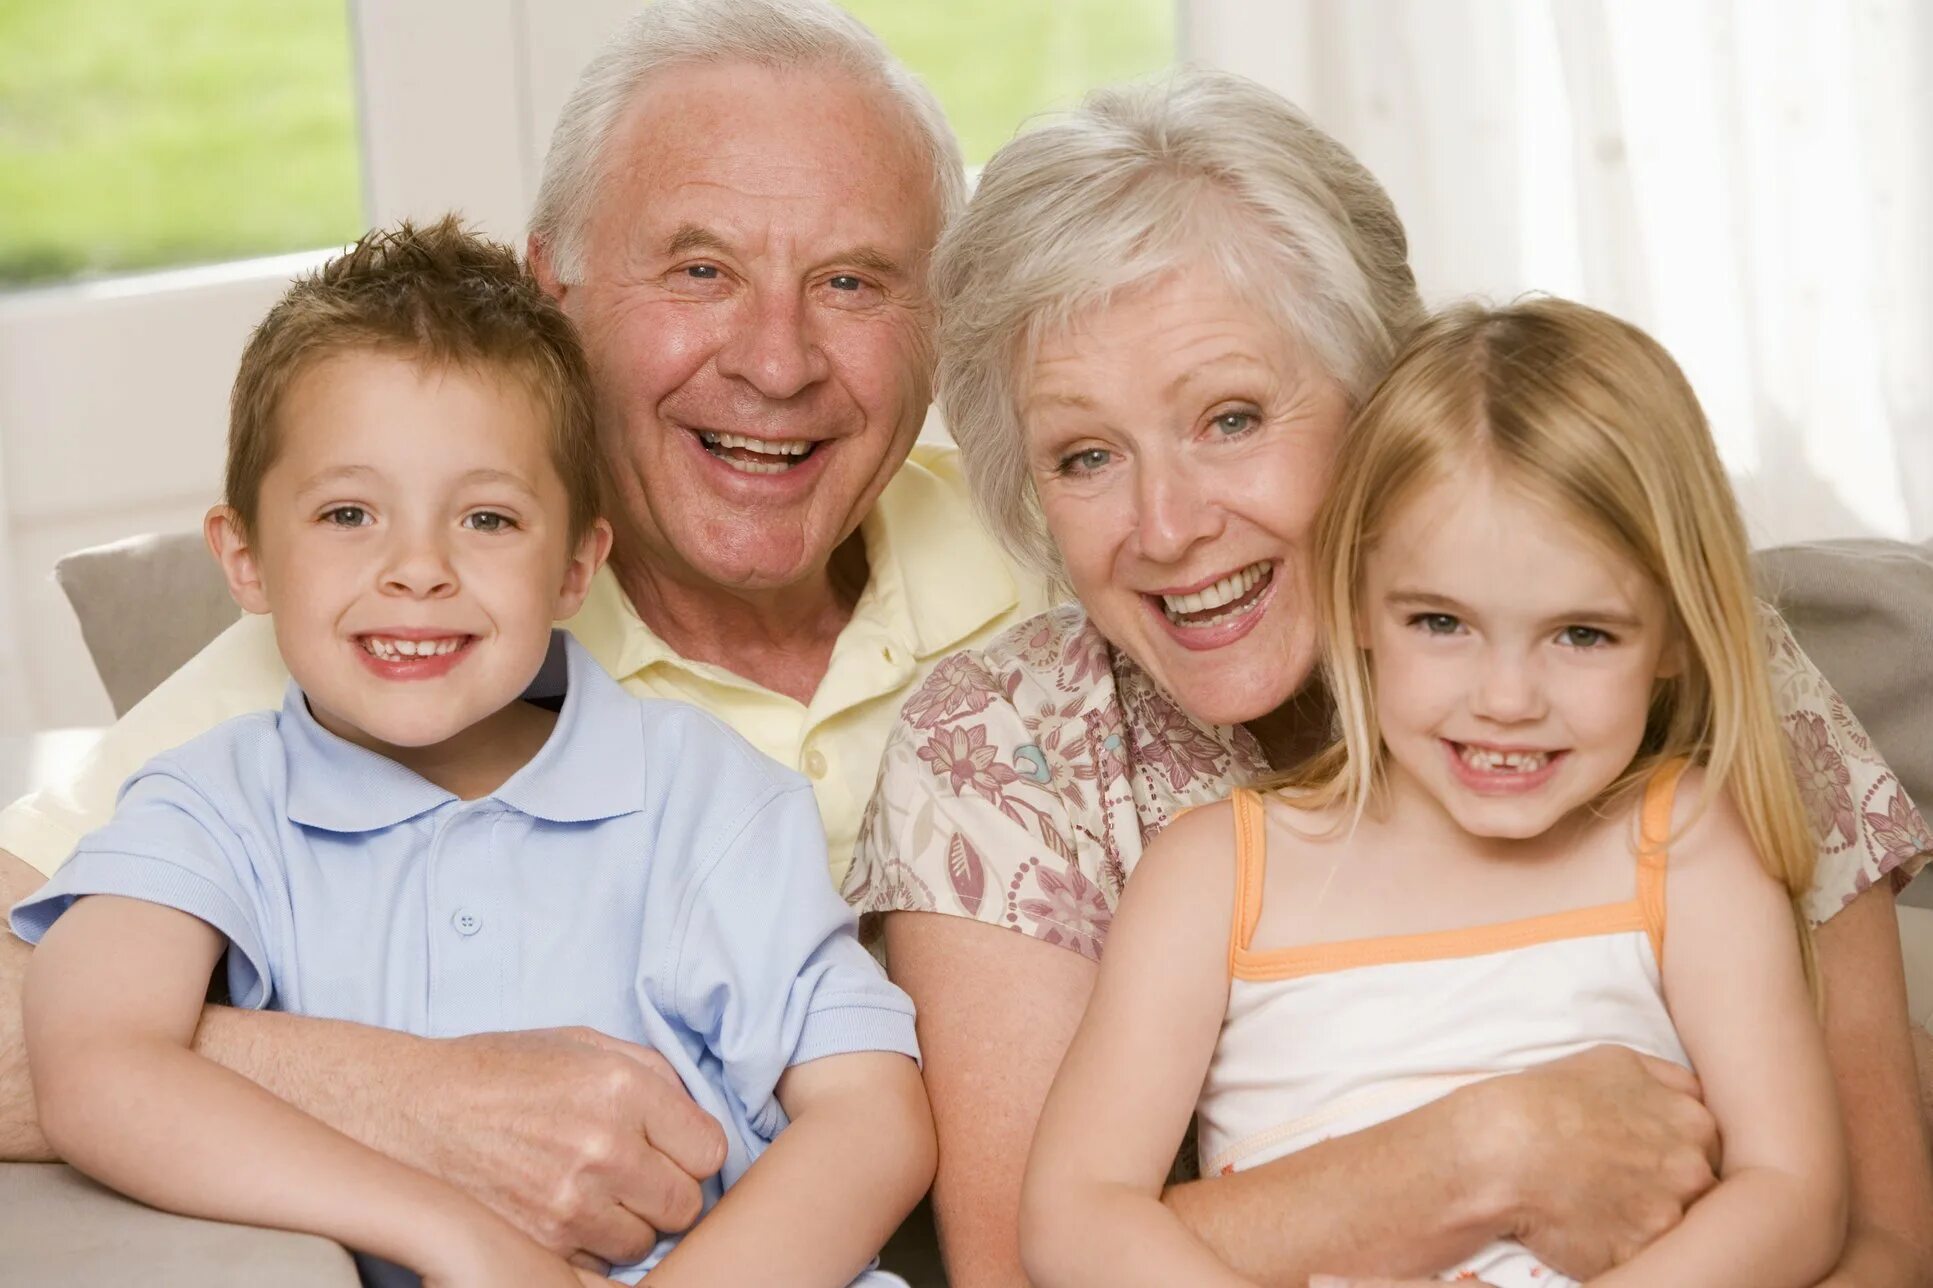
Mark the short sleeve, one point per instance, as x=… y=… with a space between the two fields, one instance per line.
x=239 y=671
x=1866 y=826
x=769 y=969
x=166 y=844
x=970 y=816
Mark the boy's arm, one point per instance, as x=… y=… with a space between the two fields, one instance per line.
x=823 y=1199
x=112 y=1001
x=1738 y=997
x=1091 y=1209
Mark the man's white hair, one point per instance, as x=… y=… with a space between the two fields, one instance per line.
x=780 y=34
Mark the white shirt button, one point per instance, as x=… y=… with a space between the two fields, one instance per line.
x=815 y=763
x=466 y=923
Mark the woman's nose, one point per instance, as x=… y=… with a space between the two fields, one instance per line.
x=1173 y=511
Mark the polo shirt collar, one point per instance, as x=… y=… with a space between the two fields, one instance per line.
x=589 y=768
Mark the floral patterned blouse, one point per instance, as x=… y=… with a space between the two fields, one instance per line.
x=1024 y=779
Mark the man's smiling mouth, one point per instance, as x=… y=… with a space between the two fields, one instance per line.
x=751 y=455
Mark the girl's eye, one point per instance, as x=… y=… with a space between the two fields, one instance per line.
x=1436 y=623
x=346 y=516
x=1084 y=462
x=1583 y=637
x=490 y=521
x=1236 y=422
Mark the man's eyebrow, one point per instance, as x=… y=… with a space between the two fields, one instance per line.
x=869 y=259
x=690 y=237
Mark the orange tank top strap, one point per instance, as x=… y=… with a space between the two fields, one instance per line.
x=1251 y=867
x=1654 y=856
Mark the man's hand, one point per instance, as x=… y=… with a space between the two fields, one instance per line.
x=1602 y=1152
x=588 y=1144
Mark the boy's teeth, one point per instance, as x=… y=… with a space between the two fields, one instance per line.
x=1517 y=762
x=1226 y=591
x=391 y=650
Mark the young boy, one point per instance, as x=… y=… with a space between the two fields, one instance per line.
x=425 y=838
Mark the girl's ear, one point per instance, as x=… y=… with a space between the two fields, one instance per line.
x=229 y=542
x=592 y=550
x=1676 y=655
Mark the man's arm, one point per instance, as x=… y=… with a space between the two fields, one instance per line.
x=1599 y=1152
x=587 y=1144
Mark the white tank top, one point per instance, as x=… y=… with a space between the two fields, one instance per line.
x=1326 y=1039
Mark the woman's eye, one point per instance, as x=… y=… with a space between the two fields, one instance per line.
x=1085 y=462
x=346 y=516
x=1436 y=623
x=490 y=521
x=1235 y=422
x=1583 y=637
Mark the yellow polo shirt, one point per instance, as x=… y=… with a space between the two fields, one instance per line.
x=937 y=583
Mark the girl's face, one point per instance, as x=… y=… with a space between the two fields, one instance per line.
x=1181 y=446
x=1513 y=657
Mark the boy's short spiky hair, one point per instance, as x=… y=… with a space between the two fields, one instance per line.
x=439 y=294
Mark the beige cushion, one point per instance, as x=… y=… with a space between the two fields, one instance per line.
x=145 y=605
x=61 y=1230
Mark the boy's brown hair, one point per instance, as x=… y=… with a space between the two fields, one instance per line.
x=440 y=295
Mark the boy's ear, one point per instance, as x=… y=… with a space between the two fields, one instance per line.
x=592 y=550
x=228 y=542
x=537 y=256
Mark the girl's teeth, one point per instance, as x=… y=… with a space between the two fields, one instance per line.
x=1516 y=762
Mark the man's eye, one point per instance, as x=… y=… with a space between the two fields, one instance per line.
x=845 y=282
x=1584 y=637
x=346 y=516
x=1436 y=623
x=490 y=521
x=702 y=272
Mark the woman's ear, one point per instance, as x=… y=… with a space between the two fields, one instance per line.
x=229 y=542
x=592 y=550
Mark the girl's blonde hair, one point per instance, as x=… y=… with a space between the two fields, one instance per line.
x=1591 y=415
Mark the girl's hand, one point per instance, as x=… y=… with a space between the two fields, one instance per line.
x=501 y=1257
x=1332 y=1281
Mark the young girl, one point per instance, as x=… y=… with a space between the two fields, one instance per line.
x=1558 y=814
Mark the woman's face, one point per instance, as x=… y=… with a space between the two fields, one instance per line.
x=1181 y=444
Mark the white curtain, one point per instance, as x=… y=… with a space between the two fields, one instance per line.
x=1750 y=180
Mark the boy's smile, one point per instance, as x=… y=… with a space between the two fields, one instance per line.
x=412 y=543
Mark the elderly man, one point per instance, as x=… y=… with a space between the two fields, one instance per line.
x=737 y=210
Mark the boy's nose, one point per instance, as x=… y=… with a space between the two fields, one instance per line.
x=421 y=570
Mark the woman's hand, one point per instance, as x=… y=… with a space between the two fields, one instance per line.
x=1600 y=1153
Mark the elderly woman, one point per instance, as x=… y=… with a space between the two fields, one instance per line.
x=1157 y=316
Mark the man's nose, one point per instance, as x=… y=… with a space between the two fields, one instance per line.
x=771 y=347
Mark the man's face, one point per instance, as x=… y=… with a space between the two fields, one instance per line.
x=754 y=311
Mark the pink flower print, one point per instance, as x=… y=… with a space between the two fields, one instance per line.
x=1823 y=779
x=1180 y=746
x=962 y=755
x=1070 y=911
x=898 y=889
x=1899 y=834
x=958 y=686
x=1085 y=661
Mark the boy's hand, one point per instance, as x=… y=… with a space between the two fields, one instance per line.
x=587 y=1144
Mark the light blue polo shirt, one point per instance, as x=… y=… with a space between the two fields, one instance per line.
x=648 y=874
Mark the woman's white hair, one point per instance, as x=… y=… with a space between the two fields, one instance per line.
x=1200 y=166
x=781 y=34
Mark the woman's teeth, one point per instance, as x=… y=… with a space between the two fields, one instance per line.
x=785 y=452
x=1235 y=593
x=1516 y=762
x=389 y=650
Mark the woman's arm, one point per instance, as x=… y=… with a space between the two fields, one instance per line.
x=112 y=1000
x=1739 y=1001
x=819 y=1204
x=1889 y=1236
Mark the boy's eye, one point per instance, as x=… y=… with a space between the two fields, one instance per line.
x=1584 y=637
x=489 y=521
x=346 y=516
x=1436 y=623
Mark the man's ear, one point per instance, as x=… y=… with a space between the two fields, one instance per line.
x=592 y=549
x=537 y=255
x=228 y=541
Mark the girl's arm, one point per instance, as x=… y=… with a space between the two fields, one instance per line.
x=113 y=995
x=818 y=1205
x=1091 y=1210
x=1738 y=997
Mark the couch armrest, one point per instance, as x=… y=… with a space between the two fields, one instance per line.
x=61 y=1230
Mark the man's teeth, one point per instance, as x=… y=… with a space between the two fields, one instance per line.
x=1516 y=762
x=1226 y=591
x=394 y=650
x=719 y=444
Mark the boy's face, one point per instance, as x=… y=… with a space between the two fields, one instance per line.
x=412 y=543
